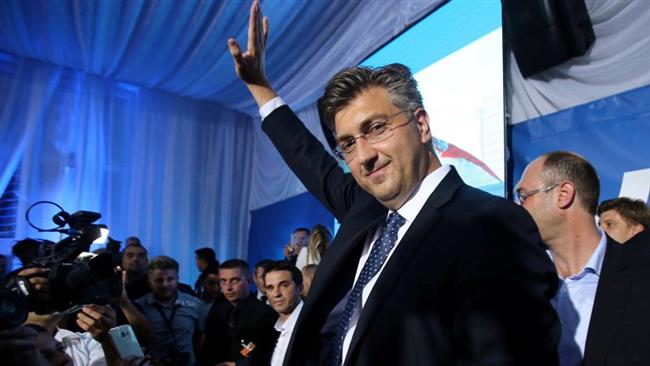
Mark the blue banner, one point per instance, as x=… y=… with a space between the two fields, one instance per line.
x=613 y=133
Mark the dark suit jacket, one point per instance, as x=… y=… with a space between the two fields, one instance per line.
x=226 y=327
x=469 y=283
x=619 y=329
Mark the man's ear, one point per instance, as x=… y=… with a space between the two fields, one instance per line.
x=301 y=289
x=422 y=122
x=638 y=228
x=566 y=194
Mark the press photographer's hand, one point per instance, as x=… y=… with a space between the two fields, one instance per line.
x=39 y=283
x=97 y=320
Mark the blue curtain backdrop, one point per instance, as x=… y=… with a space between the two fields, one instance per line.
x=171 y=170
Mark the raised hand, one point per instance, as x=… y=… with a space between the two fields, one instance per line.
x=249 y=65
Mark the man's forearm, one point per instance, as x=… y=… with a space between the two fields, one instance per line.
x=261 y=93
x=141 y=325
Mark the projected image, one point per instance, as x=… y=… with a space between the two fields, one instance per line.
x=455 y=54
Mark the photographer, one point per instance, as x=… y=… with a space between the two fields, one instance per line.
x=93 y=346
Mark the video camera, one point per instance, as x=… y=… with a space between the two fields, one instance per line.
x=76 y=278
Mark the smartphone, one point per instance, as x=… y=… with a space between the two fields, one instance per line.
x=125 y=341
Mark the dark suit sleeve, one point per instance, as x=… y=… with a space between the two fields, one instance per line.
x=265 y=337
x=318 y=171
x=504 y=286
x=215 y=345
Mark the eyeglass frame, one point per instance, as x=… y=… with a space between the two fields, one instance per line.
x=520 y=198
x=338 y=151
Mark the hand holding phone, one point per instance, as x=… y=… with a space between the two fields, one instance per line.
x=125 y=341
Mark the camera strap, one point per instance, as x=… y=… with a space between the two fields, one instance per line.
x=168 y=321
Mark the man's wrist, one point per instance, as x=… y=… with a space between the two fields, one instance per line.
x=262 y=93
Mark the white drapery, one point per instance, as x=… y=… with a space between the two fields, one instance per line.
x=619 y=60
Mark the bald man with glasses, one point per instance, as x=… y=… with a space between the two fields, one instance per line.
x=603 y=300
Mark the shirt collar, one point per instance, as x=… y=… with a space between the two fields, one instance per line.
x=281 y=326
x=429 y=184
x=151 y=299
x=595 y=263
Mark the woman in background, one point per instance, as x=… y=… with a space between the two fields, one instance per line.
x=319 y=239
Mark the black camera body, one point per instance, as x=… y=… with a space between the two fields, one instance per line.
x=75 y=278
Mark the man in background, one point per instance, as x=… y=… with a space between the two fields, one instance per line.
x=623 y=217
x=134 y=262
x=176 y=317
x=283 y=283
x=242 y=327
x=258 y=276
x=297 y=242
x=603 y=300
x=205 y=259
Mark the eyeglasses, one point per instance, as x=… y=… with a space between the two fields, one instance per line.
x=376 y=131
x=520 y=195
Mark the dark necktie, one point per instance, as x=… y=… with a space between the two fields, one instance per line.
x=385 y=242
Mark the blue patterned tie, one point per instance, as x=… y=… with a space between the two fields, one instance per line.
x=384 y=243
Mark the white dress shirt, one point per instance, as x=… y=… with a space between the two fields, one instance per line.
x=82 y=347
x=286 y=330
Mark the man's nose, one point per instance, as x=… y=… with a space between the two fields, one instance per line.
x=366 y=152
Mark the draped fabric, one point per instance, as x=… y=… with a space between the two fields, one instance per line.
x=180 y=46
x=619 y=60
x=171 y=170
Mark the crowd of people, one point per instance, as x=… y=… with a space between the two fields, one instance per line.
x=220 y=320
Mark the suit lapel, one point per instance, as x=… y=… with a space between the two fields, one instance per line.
x=425 y=221
x=347 y=239
x=609 y=303
x=331 y=278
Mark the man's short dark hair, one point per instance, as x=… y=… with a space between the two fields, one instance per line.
x=349 y=83
x=133 y=239
x=163 y=263
x=265 y=264
x=278 y=266
x=208 y=255
x=301 y=229
x=633 y=211
x=309 y=270
x=565 y=165
x=234 y=264
x=211 y=270
x=137 y=245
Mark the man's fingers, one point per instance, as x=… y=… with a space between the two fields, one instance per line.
x=84 y=322
x=32 y=271
x=265 y=27
x=252 y=26
x=235 y=50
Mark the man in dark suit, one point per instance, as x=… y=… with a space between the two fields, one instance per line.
x=603 y=302
x=424 y=269
x=240 y=330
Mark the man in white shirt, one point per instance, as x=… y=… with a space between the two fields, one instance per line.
x=424 y=269
x=283 y=284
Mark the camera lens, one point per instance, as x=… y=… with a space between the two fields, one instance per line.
x=13 y=311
